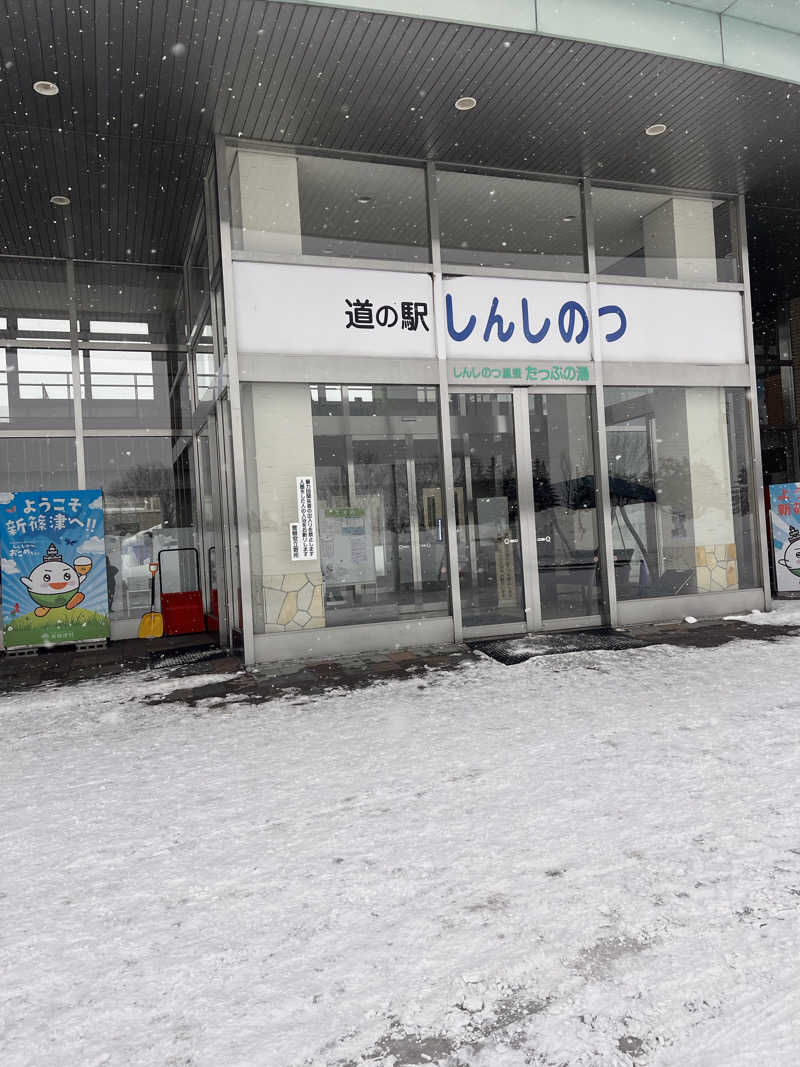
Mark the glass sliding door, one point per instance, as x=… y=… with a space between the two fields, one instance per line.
x=487 y=509
x=565 y=502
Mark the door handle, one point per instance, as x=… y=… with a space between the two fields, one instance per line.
x=545 y=539
x=510 y=540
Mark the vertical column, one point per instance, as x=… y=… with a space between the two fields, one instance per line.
x=444 y=404
x=757 y=497
x=679 y=240
x=602 y=492
x=77 y=400
x=527 y=510
x=413 y=514
x=234 y=394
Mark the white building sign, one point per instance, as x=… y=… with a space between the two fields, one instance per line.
x=301 y=533
x=508 y=318
x=515 y=319
x=675 y=325
x=333 y=311
x=313 y=311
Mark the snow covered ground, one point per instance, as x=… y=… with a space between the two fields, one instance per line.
x=585 y=859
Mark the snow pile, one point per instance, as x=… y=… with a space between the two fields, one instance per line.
x=589 y=860
x=784 y=613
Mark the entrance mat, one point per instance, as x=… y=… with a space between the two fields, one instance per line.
x=519 y=649
x=186 y=656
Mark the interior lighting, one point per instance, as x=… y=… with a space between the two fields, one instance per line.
x=362 y=199
x=656 y=129
x=60 y=201
x=45 y=88
x=568 y=218
x=466 y=103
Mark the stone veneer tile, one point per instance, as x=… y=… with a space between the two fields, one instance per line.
x=273 y=603
x=304 y=596
x=317 y=608
x=289 y=609
x=293 y=582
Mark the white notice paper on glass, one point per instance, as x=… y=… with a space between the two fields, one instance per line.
x=302 y=535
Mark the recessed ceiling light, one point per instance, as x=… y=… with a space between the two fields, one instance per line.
x=568 y=218
x=656 y=129
x=363 y=199
x=60 y=201
x=465 y=103
x=44 y=88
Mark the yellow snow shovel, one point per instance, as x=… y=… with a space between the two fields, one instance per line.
x=152 y=624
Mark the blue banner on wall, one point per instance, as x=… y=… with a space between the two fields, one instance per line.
x=53 y=561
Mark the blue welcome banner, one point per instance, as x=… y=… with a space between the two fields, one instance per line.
x=53 y=564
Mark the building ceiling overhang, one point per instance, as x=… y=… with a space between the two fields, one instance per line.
x=146 y=84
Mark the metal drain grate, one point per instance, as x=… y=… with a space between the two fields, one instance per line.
x=187 y=656
x=503 y=652
x=519 y=649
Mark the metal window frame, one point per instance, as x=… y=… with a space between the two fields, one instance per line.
x=757 y=504
x=235 y=399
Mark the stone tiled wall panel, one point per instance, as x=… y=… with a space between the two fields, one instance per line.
x=293 y=602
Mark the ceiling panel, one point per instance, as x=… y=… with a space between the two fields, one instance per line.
x=146 y=83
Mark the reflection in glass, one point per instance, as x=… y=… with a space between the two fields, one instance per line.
x=510 y=222
x=322 y=206
x=231 y=529
x=565 y=501
x=487 y=508
x=198 y=276
x=652 y=235
x=132 y=389
x=34 y=301
x=36 y=388
x=379 y=493
x=130 y=301
x=37 y=463
x=775 y=383
x=148 y=502
x=205 y=365
x=208 y=537
x=680 y=482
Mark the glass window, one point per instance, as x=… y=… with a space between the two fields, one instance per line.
x=379 y=492
x=487 y=508
x=198 y=276
x=322 y=206
x=148 y=506
x=680 y=480
x=130 y=302
x=36 y=388
x=373 y=453
x=776 y=394
x=510 y=222
x=780 y=455
x=33 y=298
x=565 y=501
x=205 y=365
x=212 y=221
x=37 y=463
x=231 y=529
x=130 y=389
x=208 y=488
x=653 y=235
